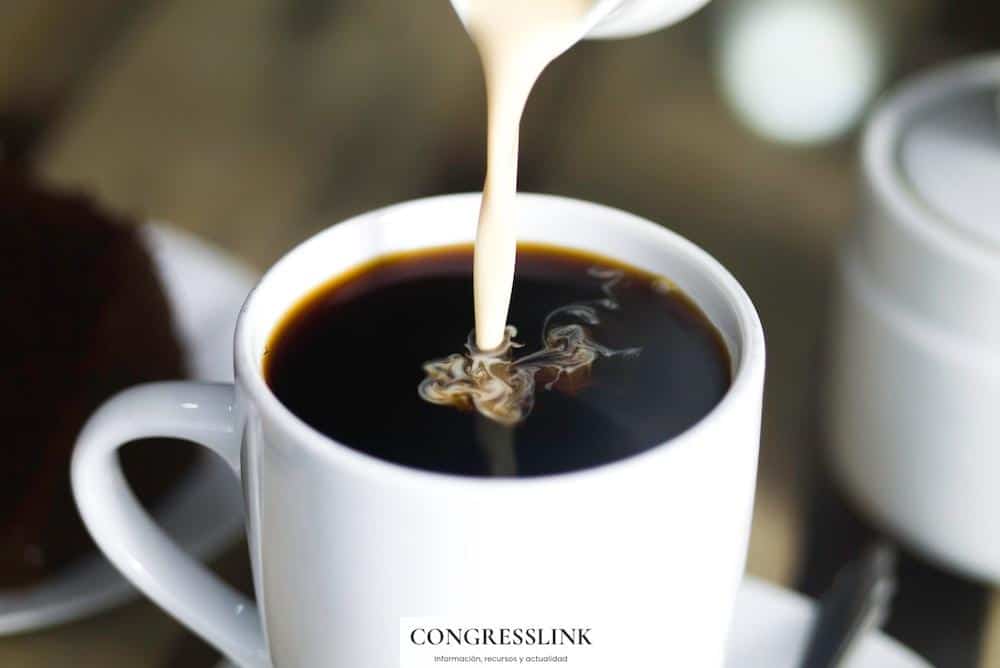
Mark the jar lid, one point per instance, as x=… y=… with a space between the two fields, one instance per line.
x=929 y=236
x=950 y=154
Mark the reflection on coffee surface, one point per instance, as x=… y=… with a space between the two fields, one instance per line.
x=617 y=361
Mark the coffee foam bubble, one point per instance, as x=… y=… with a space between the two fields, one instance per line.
x=502 y=387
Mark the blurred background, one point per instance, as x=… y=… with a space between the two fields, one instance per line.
x=255 y=123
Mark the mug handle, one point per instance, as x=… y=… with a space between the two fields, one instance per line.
x=199 y=412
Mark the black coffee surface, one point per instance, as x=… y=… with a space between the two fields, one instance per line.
x=349 y=358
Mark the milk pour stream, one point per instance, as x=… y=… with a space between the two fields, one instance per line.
x=516 y=40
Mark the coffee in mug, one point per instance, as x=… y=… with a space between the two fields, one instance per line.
x=602 y=361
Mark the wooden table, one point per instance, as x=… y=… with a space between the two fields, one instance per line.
x=255 y=123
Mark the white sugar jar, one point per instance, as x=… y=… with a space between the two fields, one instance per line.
x=913 y=398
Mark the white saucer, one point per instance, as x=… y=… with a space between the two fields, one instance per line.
x=772 y=624
x=205 y=512
x=770 y=630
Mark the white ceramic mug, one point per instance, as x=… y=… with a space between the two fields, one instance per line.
x=649 y=550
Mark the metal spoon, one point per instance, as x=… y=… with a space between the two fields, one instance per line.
x=858 y=601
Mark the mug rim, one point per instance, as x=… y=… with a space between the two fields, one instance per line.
x=748 y=373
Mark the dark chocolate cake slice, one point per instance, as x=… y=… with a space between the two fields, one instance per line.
x=84 y=317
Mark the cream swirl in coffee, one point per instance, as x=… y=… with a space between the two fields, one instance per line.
x=501 y=387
